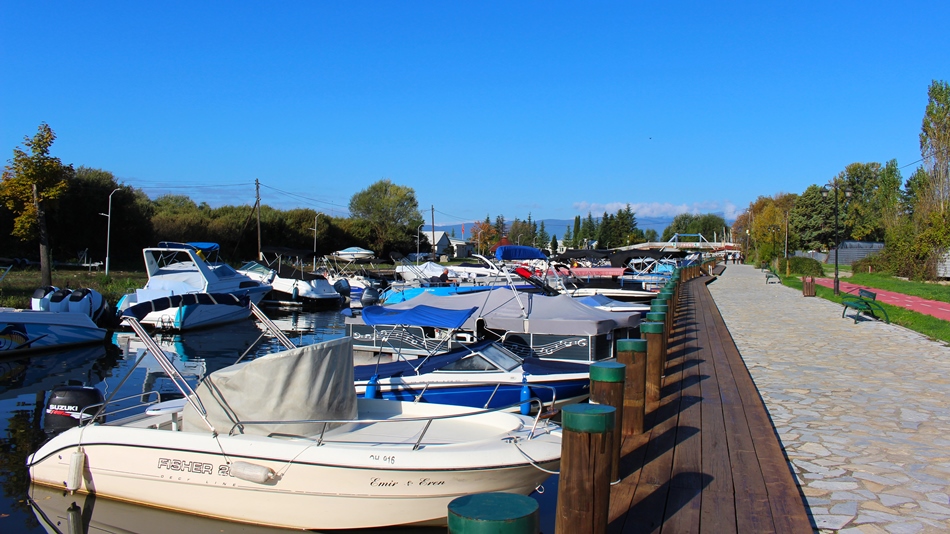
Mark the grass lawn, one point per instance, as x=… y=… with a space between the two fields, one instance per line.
x=927 y=325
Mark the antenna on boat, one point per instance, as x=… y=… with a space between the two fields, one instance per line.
x=257 y=204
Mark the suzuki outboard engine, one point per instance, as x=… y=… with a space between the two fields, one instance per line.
x=369 y=297
x=59 y=300
x=89 y=302
x=342 y=287
x=41 y=297
x=65 y=405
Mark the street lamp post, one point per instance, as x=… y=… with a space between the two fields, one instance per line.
x=315 y=242
x=108 y=217
x=824 y=192
x=418 y=240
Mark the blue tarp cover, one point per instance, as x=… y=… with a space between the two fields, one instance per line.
x=204 y=247
x=519 y=252
x=417 y=316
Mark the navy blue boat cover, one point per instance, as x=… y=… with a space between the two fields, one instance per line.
x=519 y=252
x=417 y=316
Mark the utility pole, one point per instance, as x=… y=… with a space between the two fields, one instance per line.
x=434 y=248
x=257 y=186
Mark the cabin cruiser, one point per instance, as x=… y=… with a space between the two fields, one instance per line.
x=176 y=269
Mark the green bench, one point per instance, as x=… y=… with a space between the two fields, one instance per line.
x=864 y=302
x=770 y=277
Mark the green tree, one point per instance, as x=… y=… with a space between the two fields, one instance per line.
x=578 y=239
x=935 y=146
x=554 y=244
x=650 y=235
x=31 y=184
x=542 y=235
x=568 y=238
x=390 y=211
x=809 y=219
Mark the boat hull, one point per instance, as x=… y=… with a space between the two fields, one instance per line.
x=29 y=331
x=196 y=316
x=335 y=485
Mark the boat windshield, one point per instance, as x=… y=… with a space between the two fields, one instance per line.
x=491 y=357
x=254 y=267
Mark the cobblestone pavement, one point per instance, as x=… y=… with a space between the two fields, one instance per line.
x=862 y=410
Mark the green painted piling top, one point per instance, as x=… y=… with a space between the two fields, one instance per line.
x=607 y=372
x=651 y=328
x=659 y=302
x=656 y=316
x=662 y=308
x=497 y=513
x=589 y=418
x=631 y=345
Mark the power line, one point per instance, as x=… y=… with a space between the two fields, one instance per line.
x=911 y=163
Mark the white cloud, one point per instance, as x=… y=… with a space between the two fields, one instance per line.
x=660 y=209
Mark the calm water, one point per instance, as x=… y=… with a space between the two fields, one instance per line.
x=24 y=385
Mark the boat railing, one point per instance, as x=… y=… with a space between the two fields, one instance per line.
x=85 y=418
x=428 y=420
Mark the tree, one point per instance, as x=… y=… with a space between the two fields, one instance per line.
x=31 y=183
x=553 y=245
x=484 y=234
x=542 y=235
x=650 y=235
x=568 y=238
x=935 y=146
x=389 y=211
x=809 y=219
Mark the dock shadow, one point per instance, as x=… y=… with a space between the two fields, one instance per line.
x=649 y=514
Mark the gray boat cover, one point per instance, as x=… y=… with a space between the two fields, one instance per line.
x=500 y=310
x=308 y=383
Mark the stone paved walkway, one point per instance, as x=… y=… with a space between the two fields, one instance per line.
x=862 y=410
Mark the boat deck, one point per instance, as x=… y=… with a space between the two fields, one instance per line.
x=710 y=460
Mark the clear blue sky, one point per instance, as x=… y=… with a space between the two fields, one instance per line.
x=545 y=108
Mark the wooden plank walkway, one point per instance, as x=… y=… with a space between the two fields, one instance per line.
x=710 y=461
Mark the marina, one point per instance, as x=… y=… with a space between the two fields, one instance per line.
x=714 y=455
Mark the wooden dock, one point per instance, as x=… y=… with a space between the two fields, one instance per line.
x=709 y=461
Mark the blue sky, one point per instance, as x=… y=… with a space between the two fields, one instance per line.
x=551 y=109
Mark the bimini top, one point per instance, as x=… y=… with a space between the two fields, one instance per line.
x=518 y=252
x=204 y=248
x=417 y=316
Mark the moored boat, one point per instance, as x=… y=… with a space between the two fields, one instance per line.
x=284 y=441
x=176 y=269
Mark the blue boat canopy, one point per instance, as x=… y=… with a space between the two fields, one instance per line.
x=203 y=247
x=417 y=316
x=519 y=252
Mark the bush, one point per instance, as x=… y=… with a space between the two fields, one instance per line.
x=802 y=266
x=873 y=263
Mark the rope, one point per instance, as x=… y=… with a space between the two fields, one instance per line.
x=535 y=464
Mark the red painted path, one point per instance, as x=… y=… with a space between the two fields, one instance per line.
x=940 y=310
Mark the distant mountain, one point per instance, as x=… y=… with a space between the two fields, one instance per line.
x=558 y=226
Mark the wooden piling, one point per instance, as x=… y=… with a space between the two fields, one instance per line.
x=656 y=360
x=497 y=513
x=583 y=499
x=633 y=354
x=606 y=387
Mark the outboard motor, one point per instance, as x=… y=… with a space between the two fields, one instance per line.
x=41 y=297
x=342 y=286
x=369 y=297
x=59 y=300
x=65 y=405
x=89 y=302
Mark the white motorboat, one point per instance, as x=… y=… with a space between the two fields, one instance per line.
x=284 y=441
x=353 y=254
x=176 y=269
x=58 y=319
x=293 y=286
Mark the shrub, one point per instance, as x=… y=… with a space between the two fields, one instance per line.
x=802 y=266
x=873 y=263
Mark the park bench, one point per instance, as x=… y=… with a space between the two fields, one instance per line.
x=771 y=276
x=864 y=302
